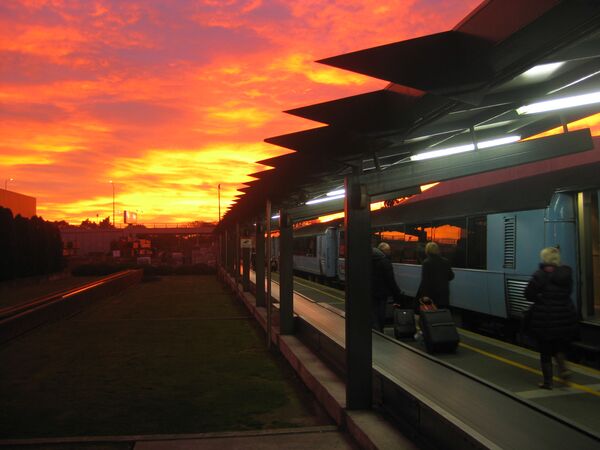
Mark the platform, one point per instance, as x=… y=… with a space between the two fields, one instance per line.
x=488 y=388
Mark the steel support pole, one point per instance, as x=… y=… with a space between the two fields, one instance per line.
x=113 y=186
x=230 y=251
x=220 y=251
x=358 y=295
x=268 y=271
x=246 y=266
x=286 y=275
x=260 y=264
x=226 y=250
x=237 y=254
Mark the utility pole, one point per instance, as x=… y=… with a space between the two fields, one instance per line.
x=113 y=215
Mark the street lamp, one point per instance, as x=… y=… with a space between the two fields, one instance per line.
x=6 y=183
x=113 y=215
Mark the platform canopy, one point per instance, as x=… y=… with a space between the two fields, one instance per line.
x=474 y=95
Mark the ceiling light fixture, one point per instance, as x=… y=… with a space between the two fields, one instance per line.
x=560 y=103
x=464 y=148
x=324 y=199
x=542 y=70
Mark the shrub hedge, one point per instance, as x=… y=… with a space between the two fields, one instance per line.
x=103 y=269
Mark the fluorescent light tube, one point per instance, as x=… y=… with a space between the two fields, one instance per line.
x=336 y=192
x=464 y=148
x=560 y=103
x=572 y=83
x=499 y=141
x=324 y=199
x=443 y=152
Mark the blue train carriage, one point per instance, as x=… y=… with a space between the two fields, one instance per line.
x=315 y=251
x=492 y=227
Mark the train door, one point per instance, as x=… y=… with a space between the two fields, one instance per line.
x=589 y=253
x=341 y=256
x=321 y=253
x=330 y=252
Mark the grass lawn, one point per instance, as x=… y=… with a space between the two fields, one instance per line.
x=179 y=355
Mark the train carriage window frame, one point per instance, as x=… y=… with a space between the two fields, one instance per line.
x=305 y=246
x=471 y=245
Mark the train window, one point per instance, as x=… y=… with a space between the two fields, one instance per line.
x=411 y=248
x=305 y=246
x=462 y=241
x=477 y=242
x=418 y=233
x=394 y=235
x=451 y=235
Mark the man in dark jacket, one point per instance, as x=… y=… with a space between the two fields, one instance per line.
x=553 y=317
x=383 y=285
x=436 y=275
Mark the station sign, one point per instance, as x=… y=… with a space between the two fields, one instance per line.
x=246 y=242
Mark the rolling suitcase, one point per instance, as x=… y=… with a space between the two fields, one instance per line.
x=439 y=331
x=404 y=323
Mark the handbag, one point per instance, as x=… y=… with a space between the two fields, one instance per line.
x=426 y=304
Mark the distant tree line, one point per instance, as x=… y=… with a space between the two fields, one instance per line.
x=105 y=224
x=87 y=224
x=28 y=247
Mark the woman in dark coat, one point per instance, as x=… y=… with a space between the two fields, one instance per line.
x=553 y=317
x=436 y=275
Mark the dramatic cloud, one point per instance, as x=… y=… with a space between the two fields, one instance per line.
x=170 y=98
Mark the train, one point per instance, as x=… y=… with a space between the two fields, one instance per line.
x=491 y=227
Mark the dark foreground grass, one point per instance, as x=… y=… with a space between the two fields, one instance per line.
x=179 y=355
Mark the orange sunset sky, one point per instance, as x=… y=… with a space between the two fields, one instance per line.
x=170 y=98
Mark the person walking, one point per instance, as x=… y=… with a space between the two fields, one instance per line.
x=553 y=317
x=436 y=275
x=383 y=285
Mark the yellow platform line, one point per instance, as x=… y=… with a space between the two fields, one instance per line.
x=338 y=298
x=331 y=289
x=524 y=351
x=529 y=369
